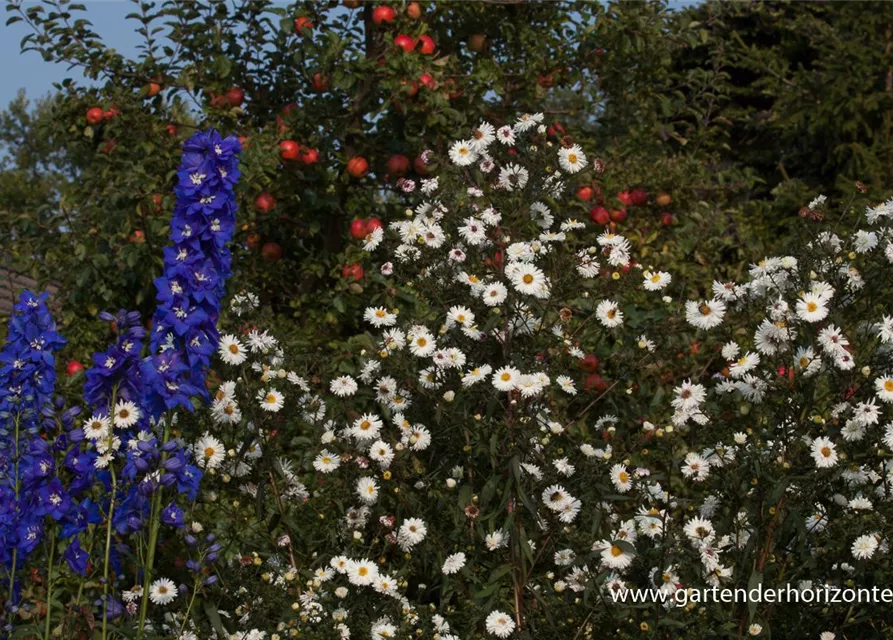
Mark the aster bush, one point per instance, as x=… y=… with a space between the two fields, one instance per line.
x=537 y=423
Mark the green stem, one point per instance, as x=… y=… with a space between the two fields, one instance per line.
x=154 y=525
x=46 y=632
x=188 y=609
x=15 y=552
x=108 y=547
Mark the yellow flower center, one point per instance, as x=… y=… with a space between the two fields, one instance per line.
x=234 y=348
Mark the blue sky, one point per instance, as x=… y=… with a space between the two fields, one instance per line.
x=29 y=71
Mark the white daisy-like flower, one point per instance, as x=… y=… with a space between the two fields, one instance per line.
x=463 y=153
x=421 y=342
x=506 y=135
x=864 y=241
x=231 y=350
x=512 y=177
x=209 y=451
x=343 y=386
x=621 y=478
x=527 y=121
x=506 y=378
x=496 y=540
x=382 y=453
x=126 y=414
x=483 y=136
x=361 y=572
x=366 y=427
x=656 y=280
x=326 y=462
x=459 y=315
x=744 y=365
x=499 y=624
x=494 y=294
x=566 y=384
x=411 y=533
x=609 y=314
x=163 y=591
x=699 y=530
x=824 y=453
x=812 y=308
x=379 y=317
x=613 y=555
x=706 y=314
x=271 y=400
x=556 y=497
x=572 y=159
x=864 y=547
x=884 y=388
x=367 y=490
x=97 y=427
x=529 y=279
x=453 y=564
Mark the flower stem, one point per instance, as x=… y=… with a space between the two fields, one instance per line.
x=108 y=547
x=15 y=552
x=154 y=525
x=46 y=632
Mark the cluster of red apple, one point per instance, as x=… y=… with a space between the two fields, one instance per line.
x=291 y=151
x=95 y=115
x=594 y=381
x=629 y=198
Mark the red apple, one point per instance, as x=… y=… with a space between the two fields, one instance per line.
x=153 y=89
x=618 y=215
x=414 y=10
x=410 y=86
x=73 y=368
x=625 y=198
x=427 y=80
x=383 y=14
x=589 y=363
x=398 y=166
x=171 y=129
x=404 y=42
x=253 y=241
x=426 y=45
x=138 y=237
x=94 y=115
x=271 y=252
x=585 y=193
x=372 y=224
x=638 y=197
x=357 y=167
x=235 y=96
x=666 y=218
x=309 y=156
x=358 y=229
x=265 y=202
x=600 y=215
x=320 y=82
x=663 y=199
x=289 y=149
x=303 y=24
x=354 y=271
x=594 y=382
x=419 y=166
